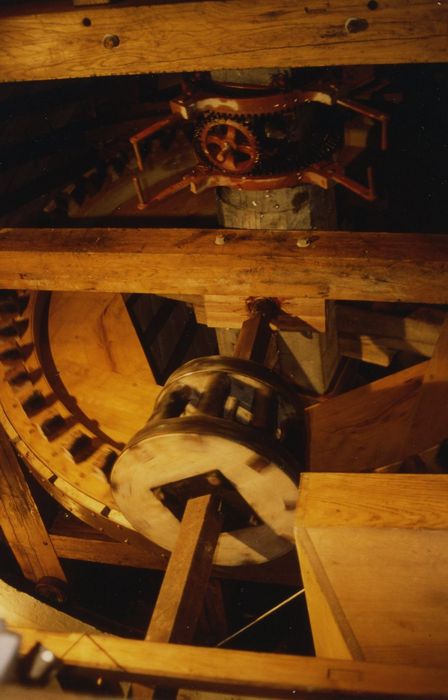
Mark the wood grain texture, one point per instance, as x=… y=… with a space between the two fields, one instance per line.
x=430 y=420
x=20 y=520
x=416 y=501
x=182 y=593
x=100 y=361
x=374 y=549
x=252 y=673
x=199 y=36
x=181 y=596
x=364 y=428
x=72 y=539
x=383 y=332
x=338 y=265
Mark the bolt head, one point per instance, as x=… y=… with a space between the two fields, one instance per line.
x=111 y=41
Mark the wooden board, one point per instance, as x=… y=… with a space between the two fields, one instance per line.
x=182 y=593
x=373 y=552
x=430 y=420
x=100 y=361
x=21 y=522
x=338 y=265
x=383 y=332
x=268 y=675
x=200 y=36
x=364 y=428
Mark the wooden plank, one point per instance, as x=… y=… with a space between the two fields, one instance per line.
x=21 y=522
x=417 y=332
x=364 y=348
x=416 y=501
x=339 y=265
x=363 y=429
x=251 y=673
x=359 y=536
x=189 y=36
x=430 y=420
x=283 y=571
x=181 y=597
x=219 y=311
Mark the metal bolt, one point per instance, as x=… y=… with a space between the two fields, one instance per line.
x=355 y=24
x=303 y=242
x=220 y=239
x=111 y=41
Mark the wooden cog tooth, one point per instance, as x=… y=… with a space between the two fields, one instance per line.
x=54 y=426
x=34 y=404
x=81 y=448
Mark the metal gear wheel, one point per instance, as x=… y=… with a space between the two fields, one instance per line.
x=229 y=145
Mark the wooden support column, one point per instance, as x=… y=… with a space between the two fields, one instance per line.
x=184 y=586
x=309 y=358
x=23 y=527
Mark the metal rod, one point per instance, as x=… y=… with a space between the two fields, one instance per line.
x=262 y=617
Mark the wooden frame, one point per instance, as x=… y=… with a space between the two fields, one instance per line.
x=356 y=266
x=72 y=42
x=249 y=673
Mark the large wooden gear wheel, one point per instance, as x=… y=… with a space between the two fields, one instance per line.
x=69 y=407
x=76 y=388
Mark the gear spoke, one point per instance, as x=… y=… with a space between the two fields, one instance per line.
x=229 y=145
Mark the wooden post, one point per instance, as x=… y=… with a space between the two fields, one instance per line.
x=24 y=529
x=310 y=358
x=183 y=589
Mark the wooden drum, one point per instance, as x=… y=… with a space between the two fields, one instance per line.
x=226 y=426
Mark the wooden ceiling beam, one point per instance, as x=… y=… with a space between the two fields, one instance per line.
x=47 y=40
x=336 y=265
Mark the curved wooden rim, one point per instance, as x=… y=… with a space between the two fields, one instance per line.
x=30 y=409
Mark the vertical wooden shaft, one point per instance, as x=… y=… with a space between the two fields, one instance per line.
x=20 y=520
x=183 y=589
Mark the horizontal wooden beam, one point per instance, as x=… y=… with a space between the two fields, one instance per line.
x=249 y=673
x=49 y=40
x=284 y=571
x=337 y=264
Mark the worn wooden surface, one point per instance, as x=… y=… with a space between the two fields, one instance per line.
x=252 y=673
x=383 y=333
x=199 y=36
x=220 y=311
x=374 y=549
x=338 y=265
x=72 y=539
x=181 y=596
x=429 y=424
x=101 y=362
x=365 y=428
x=385 y=421
x=21 y=522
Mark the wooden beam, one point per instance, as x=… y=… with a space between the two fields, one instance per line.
x=338 y=265
x=171 y=36
x=20 y=520
x=248 y=673
x=181 y=596
x=429 y=424
x=283 y=571
x=364 y=428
